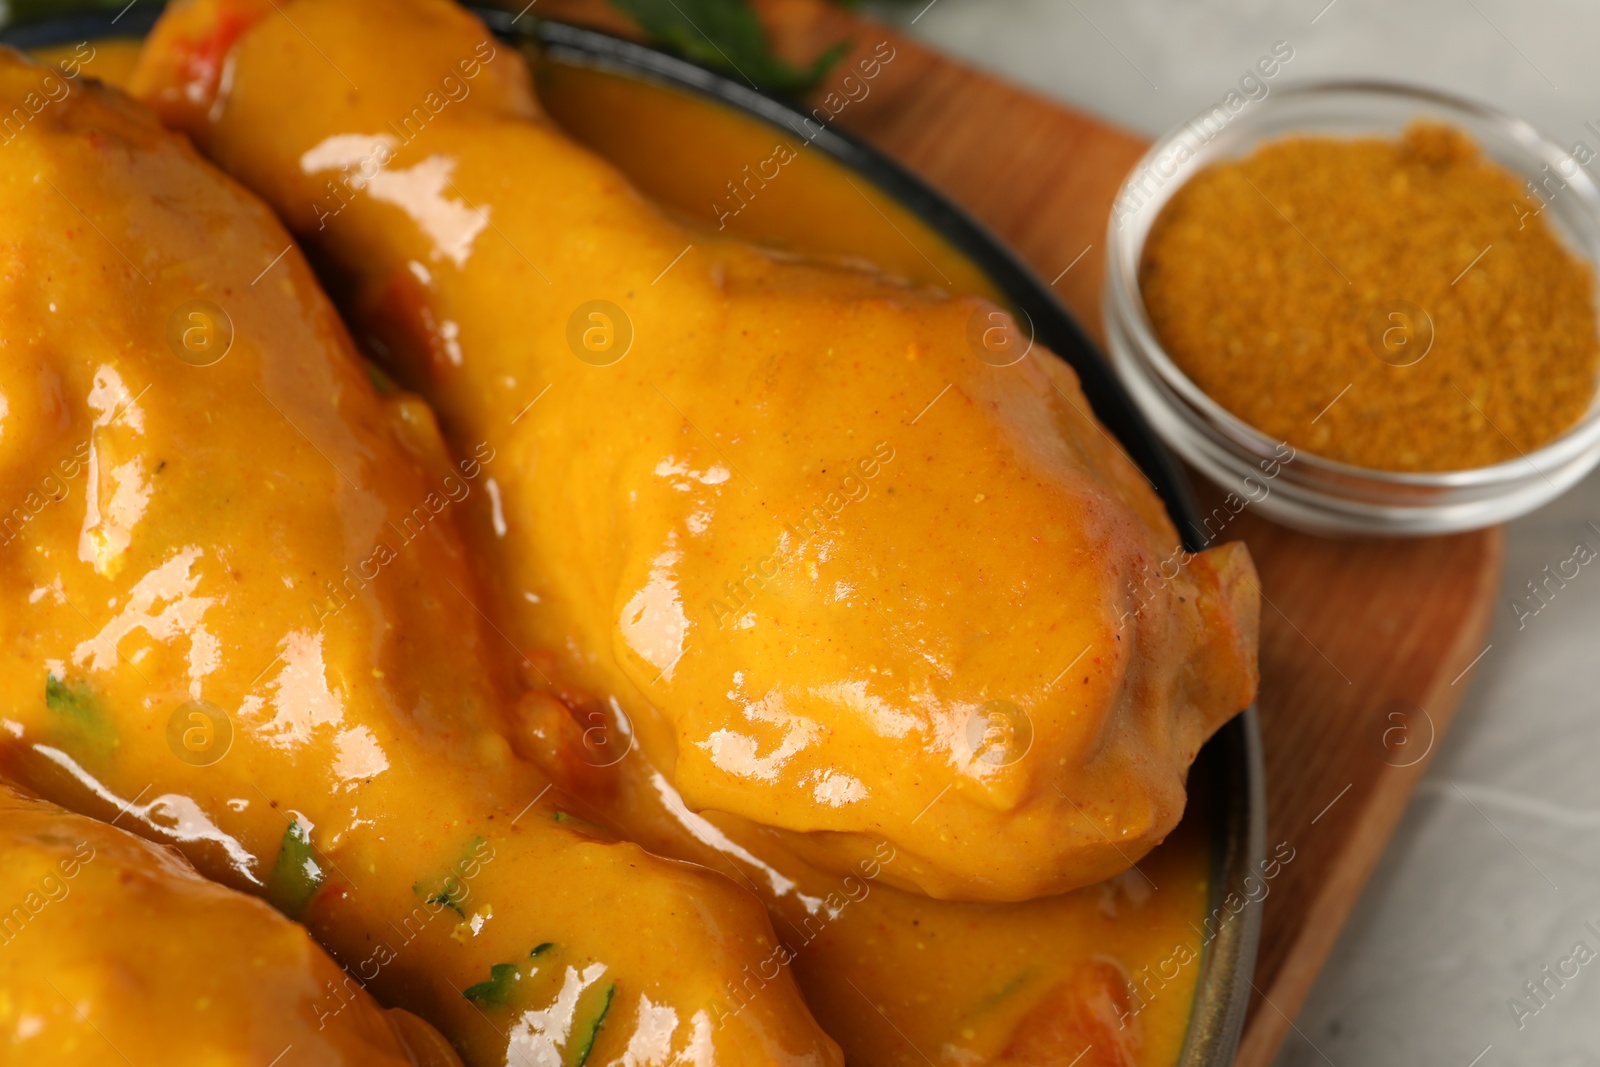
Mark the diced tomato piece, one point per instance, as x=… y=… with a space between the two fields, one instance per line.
x=1089 y=1020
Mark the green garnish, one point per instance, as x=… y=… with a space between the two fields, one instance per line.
x=380 y=379
x=77 y=711
x=296 y=875
x=725 y=34
x=584 y=1044
x=440 y=891
x=443 y=898
x=74 y=700
x=503 y=978
x=582 y=825
x=1009 y=988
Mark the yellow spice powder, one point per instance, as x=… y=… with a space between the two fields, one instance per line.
x=1410 y=284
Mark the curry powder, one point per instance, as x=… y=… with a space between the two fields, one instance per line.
x=1395 y=304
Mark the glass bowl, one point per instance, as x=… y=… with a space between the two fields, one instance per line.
x=1295 y=487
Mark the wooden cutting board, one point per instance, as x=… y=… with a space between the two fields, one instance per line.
x=1366 y=645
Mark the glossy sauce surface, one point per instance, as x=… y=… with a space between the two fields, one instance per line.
x=721 y=171
x=235 y=616
x=1038 y=982
x=114 y=947
x=824 y=609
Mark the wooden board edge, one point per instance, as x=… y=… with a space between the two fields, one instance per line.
x=1274 y=1007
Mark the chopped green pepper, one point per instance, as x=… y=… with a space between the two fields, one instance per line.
x=580 y=824
x=585 y=1033
x=296 y=876
x=76 y=711
x=503 y=979
x=449 y=890
x=442 y=897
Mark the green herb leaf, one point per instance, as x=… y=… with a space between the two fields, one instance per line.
x=584 y=1035
x=296 y=875
x=75 y=701
x=1009 y=988
x=503 y=979
x=580 y=825
x=443 y=898
x=449 y=890
x=76 y=712
x=725 y=34
x=380 y=379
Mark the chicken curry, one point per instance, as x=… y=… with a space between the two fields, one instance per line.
x=768 y=561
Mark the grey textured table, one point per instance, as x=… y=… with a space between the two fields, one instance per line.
x=1495 y=871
